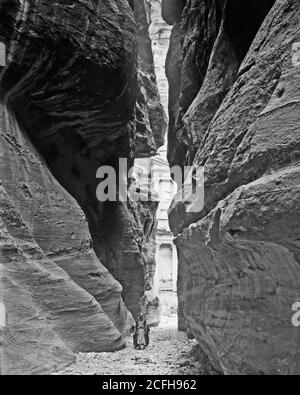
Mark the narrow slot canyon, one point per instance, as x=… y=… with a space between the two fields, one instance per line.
x=105 y=96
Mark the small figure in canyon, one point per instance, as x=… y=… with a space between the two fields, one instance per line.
x=141 y=333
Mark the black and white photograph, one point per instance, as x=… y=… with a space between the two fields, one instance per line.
x=149 y=191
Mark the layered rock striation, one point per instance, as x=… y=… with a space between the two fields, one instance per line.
x=150 y=114
x=160 y=33
x=73 y=269
x=236 y=112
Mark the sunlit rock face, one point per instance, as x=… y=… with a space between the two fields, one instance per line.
x=160 y=34
x=150 y=115
x=70 y=100
x=236 y=112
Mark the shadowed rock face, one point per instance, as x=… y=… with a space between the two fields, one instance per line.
x=237 y=113
x=59 y=297
x=207 y=27
x=71 y=102
x=172 y=10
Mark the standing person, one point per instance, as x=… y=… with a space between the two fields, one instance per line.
x=141 y=333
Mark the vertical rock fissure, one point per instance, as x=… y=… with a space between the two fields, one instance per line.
x=165 y=281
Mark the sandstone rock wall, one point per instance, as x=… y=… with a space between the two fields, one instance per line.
x=58 y=296
x=71 y=101
x=151 y=117
x=236 y=112
x=160 y=34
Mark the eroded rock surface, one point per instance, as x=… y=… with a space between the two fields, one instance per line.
x=151 y=118
x=58 y=296
x=70 y=97
x=160 y=34
x=237 y=113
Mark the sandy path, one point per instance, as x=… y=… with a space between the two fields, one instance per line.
x=166 y=354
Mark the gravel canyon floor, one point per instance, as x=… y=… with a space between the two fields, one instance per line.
x=168 y=354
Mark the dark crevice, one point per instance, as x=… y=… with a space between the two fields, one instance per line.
x=242 y=30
